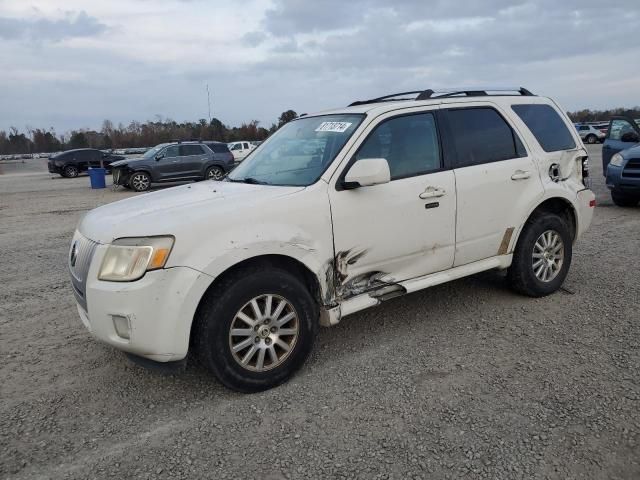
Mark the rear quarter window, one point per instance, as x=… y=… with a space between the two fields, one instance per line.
x=546 y=125
x=218 y=147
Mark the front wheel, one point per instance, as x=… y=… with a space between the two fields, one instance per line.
x=214 y=173
x=140 y=181
x=542 y=256
x=70 y=171
x=622 y=200
x=255 y=329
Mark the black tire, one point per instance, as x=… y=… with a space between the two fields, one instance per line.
x=140 y=181
x=622 y=200
x=521 y=274
x=215 y=316
x=592 y=139
x=214 y=173
x=70 y=171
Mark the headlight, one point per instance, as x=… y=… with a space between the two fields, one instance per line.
x=616 y=160
x=128 y=259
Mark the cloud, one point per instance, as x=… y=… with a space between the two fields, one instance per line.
x=46 y=29
x=272 y=55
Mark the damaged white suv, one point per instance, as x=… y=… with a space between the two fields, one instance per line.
x=336 y=212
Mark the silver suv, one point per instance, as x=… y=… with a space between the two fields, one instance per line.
x=590 y=134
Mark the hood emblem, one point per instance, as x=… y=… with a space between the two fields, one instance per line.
x=73 y=255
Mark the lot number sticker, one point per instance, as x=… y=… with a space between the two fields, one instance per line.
x=338 y=127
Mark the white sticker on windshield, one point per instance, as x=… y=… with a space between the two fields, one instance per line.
x=338 y=127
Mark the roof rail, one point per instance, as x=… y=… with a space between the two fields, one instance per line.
x=450 y=92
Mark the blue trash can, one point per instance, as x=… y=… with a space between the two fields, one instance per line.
x=98 y=177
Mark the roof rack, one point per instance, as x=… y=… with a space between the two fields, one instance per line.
x=450 y=92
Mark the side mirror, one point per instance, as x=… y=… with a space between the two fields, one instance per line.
x=367 y=172
x=159 y=157
x=630 y=137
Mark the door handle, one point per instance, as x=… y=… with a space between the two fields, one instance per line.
x=520 y=175
x=432 y=192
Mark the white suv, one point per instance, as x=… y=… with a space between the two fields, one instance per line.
x=590 y=134
x=335 y=213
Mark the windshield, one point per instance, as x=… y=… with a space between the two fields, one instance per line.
x=153 y=151
x=298 y=153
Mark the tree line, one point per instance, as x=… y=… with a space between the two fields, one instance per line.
x=148 y=134
x=136 y=134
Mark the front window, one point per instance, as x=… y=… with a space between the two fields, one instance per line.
x=298 y=153
x=151 y=153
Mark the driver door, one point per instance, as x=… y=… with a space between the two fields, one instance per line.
x=623 y=133
x=167 y=166
x=402 y=229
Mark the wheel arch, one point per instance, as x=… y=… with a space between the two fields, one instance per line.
x=284 y=262
x=561 y=206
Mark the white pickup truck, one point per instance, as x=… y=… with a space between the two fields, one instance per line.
x=240 y=149
x=336 y=212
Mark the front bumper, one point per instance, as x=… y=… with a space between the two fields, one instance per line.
x=150 y=317
x=53 y=168
x=624 y=184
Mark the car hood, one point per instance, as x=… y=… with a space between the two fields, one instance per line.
x=128 y=161
x=170 y=211
x=631 y=152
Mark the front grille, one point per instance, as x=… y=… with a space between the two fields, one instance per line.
x=80 y=256
x=632 y=169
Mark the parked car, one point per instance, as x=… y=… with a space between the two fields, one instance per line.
x=589 y=133
x=73 y=162
x=171 y=162
x=241 y=149
x=621 y=161
x=402 y=195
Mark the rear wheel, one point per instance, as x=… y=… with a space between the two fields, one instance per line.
x=214 y=173
x=140 y=181
x=255 y=329
x=70 y=171
x=592 y=139
x=622 y=200
x=542 y=256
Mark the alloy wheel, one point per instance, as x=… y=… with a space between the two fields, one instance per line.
x=140 y=182
x=548 y=256
x=264 y=332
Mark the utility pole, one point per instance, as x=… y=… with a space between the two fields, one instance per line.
x=209 y=103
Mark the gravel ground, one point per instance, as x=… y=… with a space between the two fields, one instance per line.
x=462 y=380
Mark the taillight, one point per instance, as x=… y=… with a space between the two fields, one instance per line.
x=586 y=180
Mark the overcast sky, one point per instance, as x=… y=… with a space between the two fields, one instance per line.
x=71 y=63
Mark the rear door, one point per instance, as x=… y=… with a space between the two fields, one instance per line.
x=623 y=133
x=496 y=180
x=192 y=160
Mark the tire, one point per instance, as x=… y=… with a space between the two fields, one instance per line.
x=140 y=181
x=70 y=171
x=531 y=263
x=591 y=139
x=214 y=173
x=219 y=312
x=622 y=200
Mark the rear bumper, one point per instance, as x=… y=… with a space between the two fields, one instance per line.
x=585 y=207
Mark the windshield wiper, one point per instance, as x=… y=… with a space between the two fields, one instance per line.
x=249 y=180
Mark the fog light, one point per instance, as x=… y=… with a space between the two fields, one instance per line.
x=122 y=326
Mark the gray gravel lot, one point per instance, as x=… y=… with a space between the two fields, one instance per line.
x=464 y=380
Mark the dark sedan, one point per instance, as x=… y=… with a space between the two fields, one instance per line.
x=73 y=162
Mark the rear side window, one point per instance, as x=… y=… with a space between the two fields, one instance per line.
x=187 y=150
x=547 y=126
x=481 y=135
x=408 y=143
x=218 y=147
